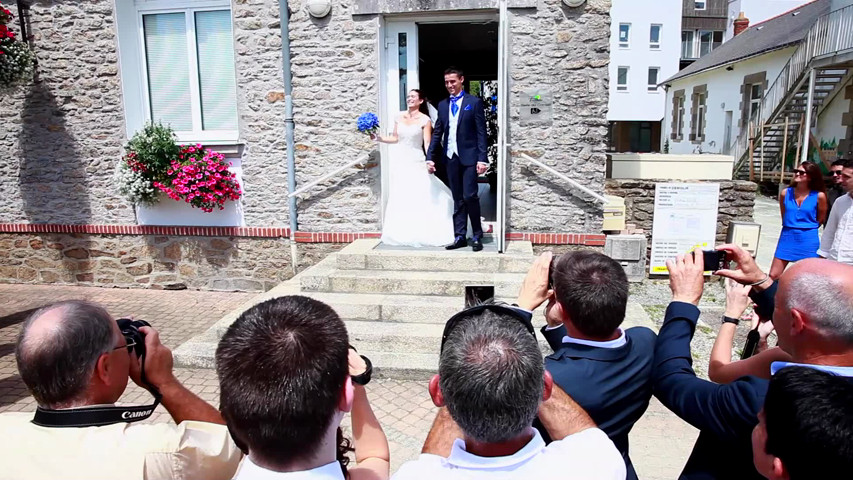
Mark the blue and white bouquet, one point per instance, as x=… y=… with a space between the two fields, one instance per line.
x=368 y=123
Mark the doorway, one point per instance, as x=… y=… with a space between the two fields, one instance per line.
x=417 y=52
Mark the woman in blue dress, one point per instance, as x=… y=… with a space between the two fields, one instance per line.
x=803 y=206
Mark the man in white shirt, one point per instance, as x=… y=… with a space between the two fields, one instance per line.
x=287 y=376
x=492 y=382
x=837 y=241
x=75 y=361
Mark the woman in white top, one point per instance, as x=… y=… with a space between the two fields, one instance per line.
x=419 y=212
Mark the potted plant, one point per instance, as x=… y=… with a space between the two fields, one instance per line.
x=16 y=58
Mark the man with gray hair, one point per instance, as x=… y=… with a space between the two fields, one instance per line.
x=813 y=317
x=76 y=362
x=492 y=382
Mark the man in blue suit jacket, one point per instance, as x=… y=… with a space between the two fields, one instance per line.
x=606 y=370
x=459 y=142
x=813 y=319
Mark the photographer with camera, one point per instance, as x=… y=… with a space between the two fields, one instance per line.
x=606 y=368
x=76 y=361
x=813 y=316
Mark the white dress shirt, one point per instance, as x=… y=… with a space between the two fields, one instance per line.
x=837 y=241
x=453 y=122
x=585 y=455
x=250 y=470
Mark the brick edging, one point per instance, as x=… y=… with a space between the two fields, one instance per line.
x=592 y=240
x=146 y=230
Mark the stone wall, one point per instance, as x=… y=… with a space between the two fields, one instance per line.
x=335 y=79
x=260 y=101
x=61 y=135
x=737 y=202
x=205 y=263
x=566 y=50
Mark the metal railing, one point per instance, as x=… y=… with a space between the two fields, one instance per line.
x=574 y=184
x=329 y=175
x=831 y=33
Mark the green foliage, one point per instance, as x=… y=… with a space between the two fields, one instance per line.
x=154 y=148
x=16 y=58
x=149 y=154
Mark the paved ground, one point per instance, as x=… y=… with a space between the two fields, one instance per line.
x=767 y=214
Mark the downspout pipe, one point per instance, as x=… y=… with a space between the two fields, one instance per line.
x=284 y=15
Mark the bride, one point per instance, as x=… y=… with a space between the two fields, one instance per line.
x=420 y=207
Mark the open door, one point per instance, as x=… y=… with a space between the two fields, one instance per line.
x=401 y=75
x=503 y=125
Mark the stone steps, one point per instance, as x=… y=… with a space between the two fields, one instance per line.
x=395 y=302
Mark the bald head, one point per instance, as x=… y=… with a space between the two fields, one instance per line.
x=822 y=290
x=58 y=347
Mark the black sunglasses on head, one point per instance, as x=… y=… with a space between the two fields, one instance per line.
x=511 y=312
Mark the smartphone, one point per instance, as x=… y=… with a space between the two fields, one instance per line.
x=751 y=344
x=715 y=260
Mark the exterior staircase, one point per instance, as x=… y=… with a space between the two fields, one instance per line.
x=395 y=302
x=815 y=74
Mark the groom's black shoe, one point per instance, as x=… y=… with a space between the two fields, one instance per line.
x=476 y=244
x=459 y=243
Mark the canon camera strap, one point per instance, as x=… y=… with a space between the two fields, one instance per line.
x=100 y=415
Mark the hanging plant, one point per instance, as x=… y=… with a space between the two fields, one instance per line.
x=16 y=58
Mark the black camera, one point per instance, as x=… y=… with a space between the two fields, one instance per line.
x=130 y=329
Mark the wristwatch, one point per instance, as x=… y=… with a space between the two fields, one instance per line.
x=364 y=378
x=727 y=319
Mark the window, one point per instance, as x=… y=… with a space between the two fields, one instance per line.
x=189 y=75
x=654 y=37
x=698 y=43
x=677 y=125
x=754 y=100
x=622 y=79
x=700 y=117
x=699 y=4
x=624 y=34
x=687 y=44
x=653 y=78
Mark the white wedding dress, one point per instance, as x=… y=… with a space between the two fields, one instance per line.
x=419 y=212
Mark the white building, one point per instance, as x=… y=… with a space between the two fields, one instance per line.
x=758 y=11
x=748 y=85
x=644 y=50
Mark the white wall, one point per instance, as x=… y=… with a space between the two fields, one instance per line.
x=758 y=11
x=829 y=125
x=723 y=95
x=638 y=104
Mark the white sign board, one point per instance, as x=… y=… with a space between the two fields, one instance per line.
x=685 y=218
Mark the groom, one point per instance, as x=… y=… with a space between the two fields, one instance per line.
x=459 y=140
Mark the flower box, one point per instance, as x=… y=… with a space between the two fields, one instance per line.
x=180 y=213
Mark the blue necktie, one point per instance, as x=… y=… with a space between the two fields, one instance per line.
x=454 y=108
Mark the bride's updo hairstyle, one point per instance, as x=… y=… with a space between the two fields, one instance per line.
x=423 y=108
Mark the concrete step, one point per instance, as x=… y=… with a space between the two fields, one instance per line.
x=364 y=255
x=410 y=282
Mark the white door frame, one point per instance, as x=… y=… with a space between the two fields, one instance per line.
x=390 y=26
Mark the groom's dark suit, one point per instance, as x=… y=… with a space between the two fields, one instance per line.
x=462 y=167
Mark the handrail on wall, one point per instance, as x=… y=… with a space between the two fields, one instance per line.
x=329 y=175
x=568 y=180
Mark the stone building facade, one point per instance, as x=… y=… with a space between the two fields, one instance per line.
x=62 y=135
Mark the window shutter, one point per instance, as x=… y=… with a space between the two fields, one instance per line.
x=168 y=77
x=217 y=76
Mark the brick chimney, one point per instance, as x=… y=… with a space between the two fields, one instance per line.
x=741 y=24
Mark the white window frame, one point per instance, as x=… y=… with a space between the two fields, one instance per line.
x=700 y=4
x=701 y=111
x=679 y=119
x=692 y=53
x=655 y=45
x=626 y=43
x=653 y=88
x=622 y=87
x=129 y=14
x=753 y=101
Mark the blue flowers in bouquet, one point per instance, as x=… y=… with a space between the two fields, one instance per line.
x=368 y=123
